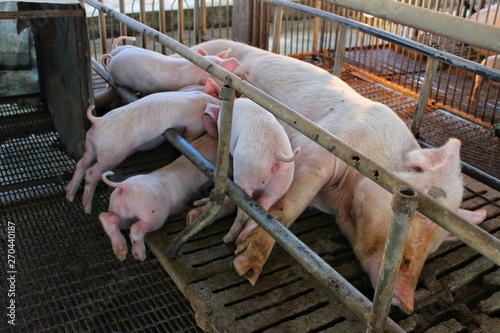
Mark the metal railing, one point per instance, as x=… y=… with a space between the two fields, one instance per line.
x=475 y=237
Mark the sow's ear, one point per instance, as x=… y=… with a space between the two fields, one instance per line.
x=447 y=156
x=202 y=52
x=475 y=217
x=209 y=119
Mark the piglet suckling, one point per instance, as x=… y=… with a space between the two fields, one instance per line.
x=143 y=203
x=149 y=72
x=263 y=159
x=135 y=127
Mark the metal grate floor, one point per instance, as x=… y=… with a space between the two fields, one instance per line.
x=67 y=278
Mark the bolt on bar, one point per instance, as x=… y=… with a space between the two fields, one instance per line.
x=404 y=204
x=313 y=263
x=219 y=192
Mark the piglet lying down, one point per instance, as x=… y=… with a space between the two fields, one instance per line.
x=144 y=202
x=135 y=127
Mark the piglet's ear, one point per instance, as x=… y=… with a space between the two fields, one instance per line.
x=475 y=217
x=421 y=160
x=212 y=88
x=209 y=119
x=224 y=54
x=230 y=64
x=202 y=52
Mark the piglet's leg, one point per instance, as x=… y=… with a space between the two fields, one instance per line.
x=238 y=224
x=252 y=253
x=92 y=178
x=111 y=224
x=137 y=232
x=81 y=167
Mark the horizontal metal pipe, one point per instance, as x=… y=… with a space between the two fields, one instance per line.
x=46 y=13
x=475 y=237
x=442 y=24
x=487 y=72
x=126 y=95
x=313 y=263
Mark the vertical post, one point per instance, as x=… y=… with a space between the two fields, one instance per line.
x=340 y=50
x=180 y=20
x=197 y=21
x=104 y=34
x=242 y=14
x=142 y=15
x=317 y=21
x=163 y=24
x=404 y=203
x=219 y=192
x=123 y=27
x=430 y=73
x=278 y=19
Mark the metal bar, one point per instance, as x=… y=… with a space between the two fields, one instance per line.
x=340 y=45
x=442 y=24
x=404 y=204
x=471 y=66
x=430 y=74
x=163 y=24
x=102 y=28
x=313 y=263
x=126 y=95
x=317 y=22
x=180 y=20
x=278 y=20
x=472 y=235
x=123 y=27
x=33 y=14
x=219 y=192
x=143 y=19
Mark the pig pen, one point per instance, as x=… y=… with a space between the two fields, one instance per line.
x=68 y=279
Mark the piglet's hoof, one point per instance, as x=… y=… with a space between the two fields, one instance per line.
x=120 y=252
x=252 y=254
x=201 y=207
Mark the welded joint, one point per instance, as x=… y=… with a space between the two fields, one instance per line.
x=404 y=203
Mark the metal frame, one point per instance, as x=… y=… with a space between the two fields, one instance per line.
x=472 y=235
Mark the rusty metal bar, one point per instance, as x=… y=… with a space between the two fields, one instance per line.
x=123 y=27
x=46 y=13
x=180 y=20
x=278 y=20
x=143 y=19
x=340 y=45
x=219 y=192
x=163 y=23
x=102 y=28
x=317 y=22
x=403 y=204
x=430 y=74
